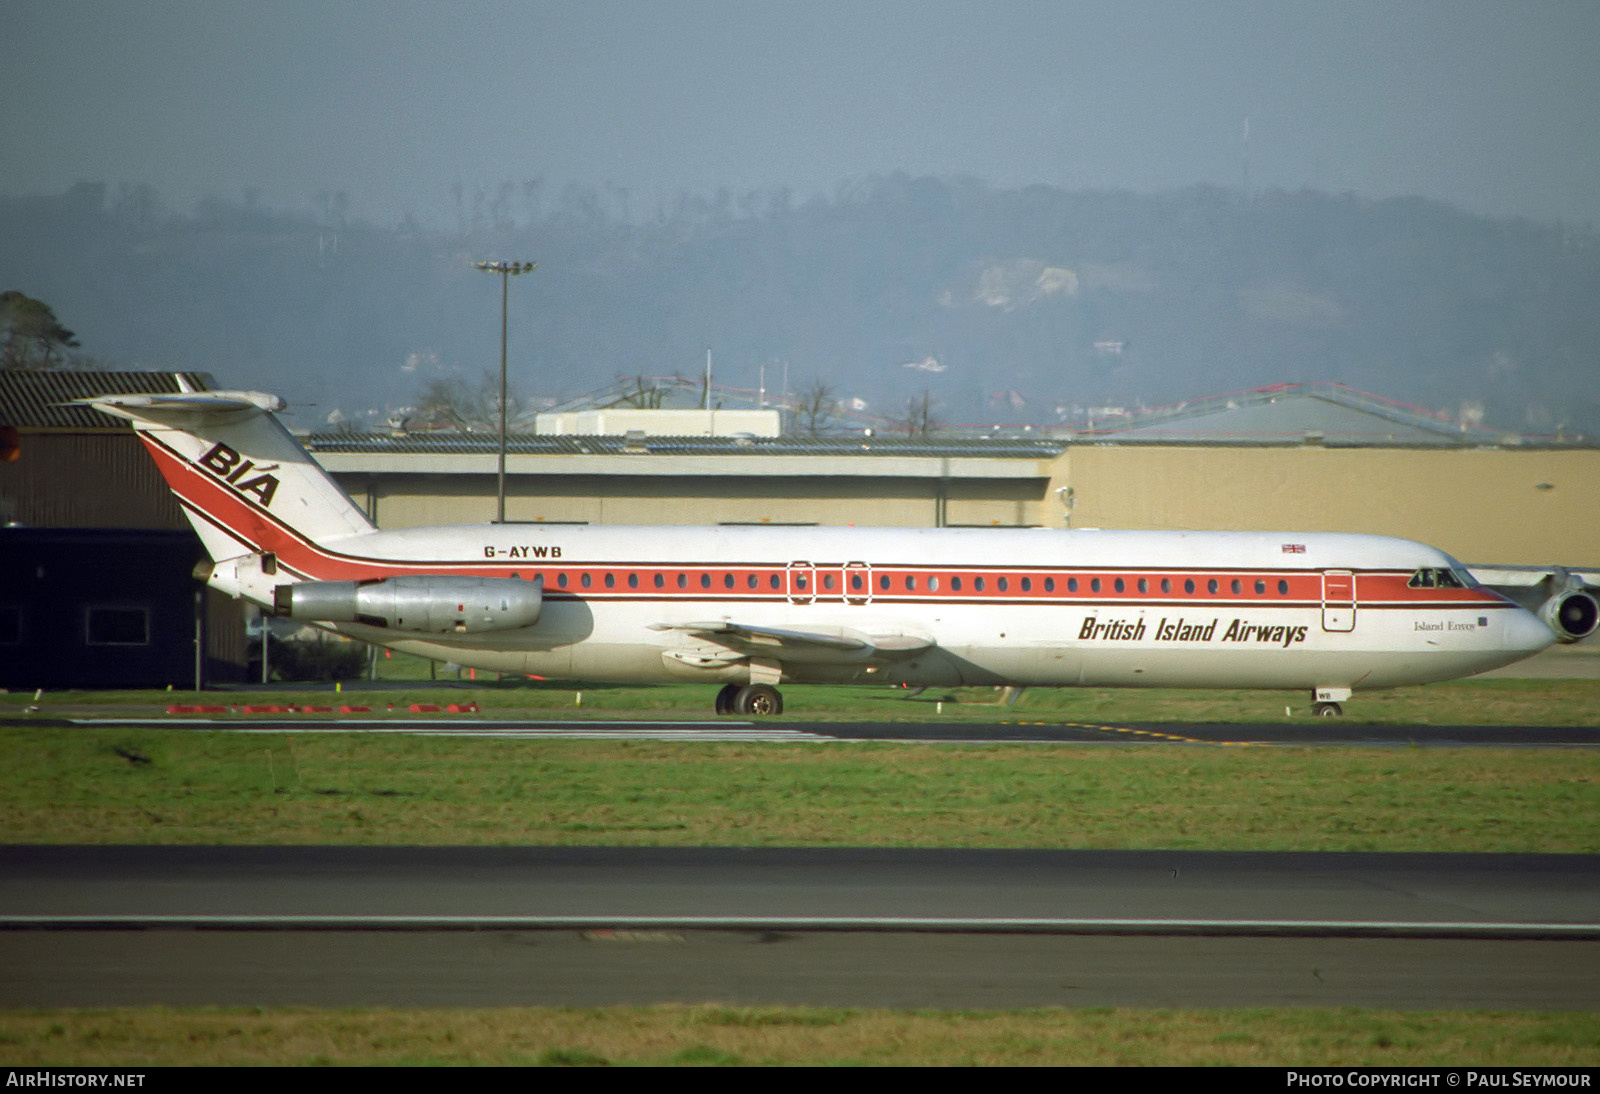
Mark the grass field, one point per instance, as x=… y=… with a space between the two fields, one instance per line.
x=1464 y=702
x=135 y=784
x=731 y=1036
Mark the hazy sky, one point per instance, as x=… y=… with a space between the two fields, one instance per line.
x=1490 y=105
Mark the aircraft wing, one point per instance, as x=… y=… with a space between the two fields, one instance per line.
x=1497 y=576
x=781 y=643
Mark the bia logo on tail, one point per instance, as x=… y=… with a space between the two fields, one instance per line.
x=232 y=468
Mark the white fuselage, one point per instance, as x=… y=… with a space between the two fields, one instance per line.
x=1025 y=607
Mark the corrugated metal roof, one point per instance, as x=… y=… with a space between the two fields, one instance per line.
x=1327 y=412
x=31 y=400
x=482 y=443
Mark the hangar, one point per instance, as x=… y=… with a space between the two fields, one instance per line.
x=1296 y=457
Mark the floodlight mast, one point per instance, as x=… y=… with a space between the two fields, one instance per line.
x=506 y=270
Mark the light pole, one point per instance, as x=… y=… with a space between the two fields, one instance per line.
x=506 y=270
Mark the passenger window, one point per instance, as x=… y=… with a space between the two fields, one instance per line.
x=585 y=580
x=955 y=584
x=1283 y=588
x=633 y=581
x=933 y=584
x=911 y=581
x=1166 y=584
x=1144 y=585
x=1237 y=587
x=727 y=581
x=683 y=581
x=1120 y=585
x=883 y=582
x=1211 y=586
x=705 y=581
x=1188 y=584
x=1261 y=586
x=1049 y=584
x=661 y=581
x=611 y=581
x=1002 y=584
x=1027 y=584
x=753 y=581
x=1072 y=584
x=977 y=584
x=561 y=579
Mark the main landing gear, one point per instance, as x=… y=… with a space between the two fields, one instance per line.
x=1326 y=710
x=749 y=699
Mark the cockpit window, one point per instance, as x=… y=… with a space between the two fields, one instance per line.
x=1432 y=578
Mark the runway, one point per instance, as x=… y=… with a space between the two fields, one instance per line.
x=1321 y=731
x=586 y=926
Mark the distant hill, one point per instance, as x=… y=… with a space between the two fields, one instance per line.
x=1003 y=305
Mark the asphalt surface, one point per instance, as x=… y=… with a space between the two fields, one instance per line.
x=588 y=926
x=1321 y=731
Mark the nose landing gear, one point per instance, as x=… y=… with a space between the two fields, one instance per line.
x=1325 y=702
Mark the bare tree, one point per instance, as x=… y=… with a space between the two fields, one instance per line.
x=815 y=408
x=448 y=400
x=640 y=391
x=919 y=420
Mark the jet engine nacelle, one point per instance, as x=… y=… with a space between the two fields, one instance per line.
x=1572 y=614
x=430 y=603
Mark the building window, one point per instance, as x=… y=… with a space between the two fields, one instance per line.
x=118 y=627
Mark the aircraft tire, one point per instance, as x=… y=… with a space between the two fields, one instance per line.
x=726 y=699
x=1327 y=710
x=759 y=699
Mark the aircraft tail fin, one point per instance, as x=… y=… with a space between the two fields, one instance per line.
x=244 y=482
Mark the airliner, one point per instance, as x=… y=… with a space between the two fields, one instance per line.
x=749 y=608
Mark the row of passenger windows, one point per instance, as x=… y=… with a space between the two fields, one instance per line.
x=955 y=583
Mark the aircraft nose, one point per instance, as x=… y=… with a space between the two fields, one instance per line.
x=1527 y=633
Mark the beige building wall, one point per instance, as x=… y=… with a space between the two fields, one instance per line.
x=1520 y=506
